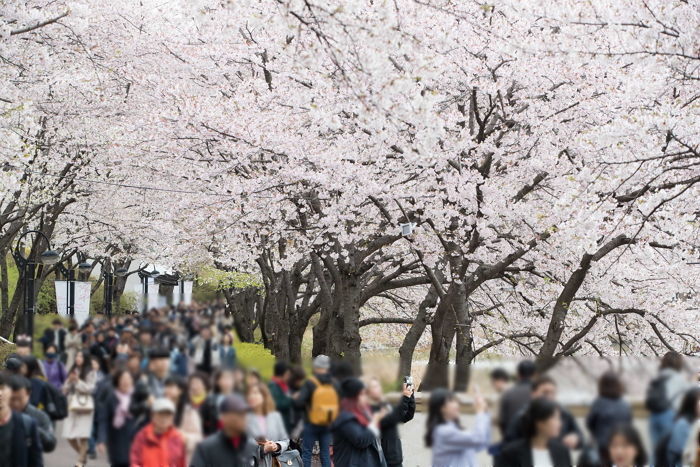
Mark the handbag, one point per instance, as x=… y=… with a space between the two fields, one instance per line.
x=289 y=458
x=81 y=403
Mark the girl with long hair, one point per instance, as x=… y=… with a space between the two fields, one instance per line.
x=79 y=387
x=452 y=445
x=541 y=445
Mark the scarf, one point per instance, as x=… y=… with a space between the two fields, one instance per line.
x=360 y=411
x=122 y=411
x=281 y=383
x=197 y=401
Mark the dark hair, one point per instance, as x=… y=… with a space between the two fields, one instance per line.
x=610 y=385
x=49 y=346
x=33 y=368
x=342 y=370
x=180 y=405
x=17 y=382
x=86 y=368
x=281 y=368
x=117 y=375
x=689 y=405
x=4 y=378
x=73 y=327
x=672 y=360
x=56 y=321
x=438 y=398
x=542 y=380
x=297 y=377
x=539 y=410
x=500 y=374
x=631 y=435
x=526 y=369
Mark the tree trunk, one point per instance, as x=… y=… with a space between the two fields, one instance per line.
x=4 y=283
x=242 y=304
x=465 y=342
x=443 y=332
x=408 y=346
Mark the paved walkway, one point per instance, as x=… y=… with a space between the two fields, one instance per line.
x=65 y=456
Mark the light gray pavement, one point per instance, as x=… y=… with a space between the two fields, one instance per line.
x=65 y=456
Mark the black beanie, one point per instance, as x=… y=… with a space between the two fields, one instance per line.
x=351 y=387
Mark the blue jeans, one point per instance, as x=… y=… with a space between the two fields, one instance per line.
x=659 y=425
x=310 y=435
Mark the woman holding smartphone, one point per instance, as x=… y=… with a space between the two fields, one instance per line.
x=452 y=445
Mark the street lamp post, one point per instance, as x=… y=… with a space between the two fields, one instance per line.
x=145 y=276
x=27 y=267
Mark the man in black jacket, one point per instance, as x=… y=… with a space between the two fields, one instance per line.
x=55 y=335
x=389 y=424
x=21 y=390
x=517 y=397
x=20 y=445
x=230 y=446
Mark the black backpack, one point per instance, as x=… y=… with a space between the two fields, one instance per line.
x=56 y=403
x=657 y=400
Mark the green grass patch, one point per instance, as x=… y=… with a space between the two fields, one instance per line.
x=255 y=357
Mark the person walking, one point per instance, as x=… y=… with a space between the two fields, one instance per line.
x=73 y=344
x=205 y=352
x=228 y=356
x=21 y=390
x=356 y=430
x=20 y=445
x=319 y=398
x=79 y=387
x=53 y=367
x=403 y=412
x=159 y=444
x=515 y=399
x=230 y=446
x=224 y=385
x=452 y=446
x=279 y=388
x=540 y=446
x=116 y=426
x=264 y=423
x=187 y=419
x=56 y=336
x=546 y=388
x=688 y=414
x=664 y=395
x=608 y=410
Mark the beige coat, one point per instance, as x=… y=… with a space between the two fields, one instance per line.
x=73 y=344
x=191 y=428
x=79 y=425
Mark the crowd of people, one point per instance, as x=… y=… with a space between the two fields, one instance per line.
x=165 y=389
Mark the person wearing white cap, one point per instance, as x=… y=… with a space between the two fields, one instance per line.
x=319 y=397
x=159 y=443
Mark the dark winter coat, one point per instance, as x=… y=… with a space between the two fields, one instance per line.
x=389 y=426
x=519 y=454
x=217 y=450
x=117 y=440
x=355 y=445
x=604 y=415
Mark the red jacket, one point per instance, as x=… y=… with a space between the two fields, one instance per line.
x=166 y=450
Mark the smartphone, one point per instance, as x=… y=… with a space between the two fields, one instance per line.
x=408 y=381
